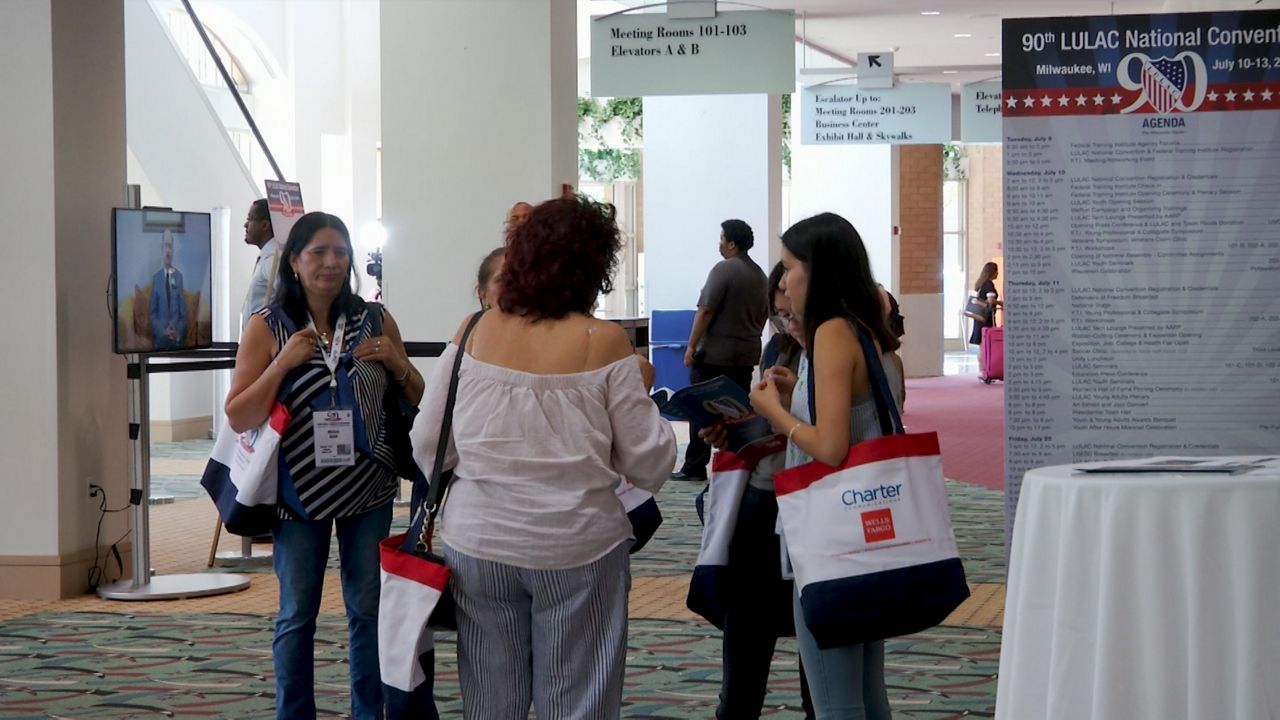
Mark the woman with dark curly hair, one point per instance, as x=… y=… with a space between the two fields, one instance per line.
x=552 y=412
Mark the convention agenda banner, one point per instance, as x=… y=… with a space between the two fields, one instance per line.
x=1142 y=238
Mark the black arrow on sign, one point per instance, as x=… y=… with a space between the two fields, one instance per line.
x=873 y=61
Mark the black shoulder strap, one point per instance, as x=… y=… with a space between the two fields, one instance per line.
x=438 y=481
x=424 y=517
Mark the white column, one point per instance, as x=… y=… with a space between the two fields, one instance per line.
x=64 y=424
x=855 y=182
x=706 y=159
x=479 y=110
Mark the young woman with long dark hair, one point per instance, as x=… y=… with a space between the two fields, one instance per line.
x=829 y=282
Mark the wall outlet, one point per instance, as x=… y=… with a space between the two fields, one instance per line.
x=95 y=491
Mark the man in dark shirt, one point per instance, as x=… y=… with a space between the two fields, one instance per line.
x=725 y=339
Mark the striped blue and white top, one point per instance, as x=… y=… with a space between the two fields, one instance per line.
x=334 y=492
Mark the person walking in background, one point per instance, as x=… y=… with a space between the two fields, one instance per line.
x=315 y=350
x=828 y=280
x=168 y=307
x=535 y=536
x=985 y=290
x=259 y=233
x=725 y=338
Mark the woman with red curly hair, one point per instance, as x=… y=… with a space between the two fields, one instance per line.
x=552 y=412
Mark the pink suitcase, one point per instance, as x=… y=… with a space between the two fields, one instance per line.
x=991 y=355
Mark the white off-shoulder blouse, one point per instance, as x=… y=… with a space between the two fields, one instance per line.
x=537 y=459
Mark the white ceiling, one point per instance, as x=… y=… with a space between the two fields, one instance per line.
x=923 y=45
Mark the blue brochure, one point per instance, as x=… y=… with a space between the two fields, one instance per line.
x=720 y=401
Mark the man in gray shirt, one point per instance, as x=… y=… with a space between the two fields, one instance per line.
x=725 y=339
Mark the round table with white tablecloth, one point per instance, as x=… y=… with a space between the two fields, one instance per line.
x=1152 y=595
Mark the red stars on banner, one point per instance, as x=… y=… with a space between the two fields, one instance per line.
x=1115 y=100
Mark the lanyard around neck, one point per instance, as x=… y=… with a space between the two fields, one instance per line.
x=331 y=354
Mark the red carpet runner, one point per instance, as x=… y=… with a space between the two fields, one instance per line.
x=969 y=419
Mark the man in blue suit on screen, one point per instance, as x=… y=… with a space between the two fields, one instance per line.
x=168 y=302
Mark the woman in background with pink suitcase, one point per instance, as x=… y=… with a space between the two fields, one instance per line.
x=990 y=357
x=984 y=291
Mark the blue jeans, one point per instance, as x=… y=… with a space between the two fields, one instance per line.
x=847 y=683
x=300 y=553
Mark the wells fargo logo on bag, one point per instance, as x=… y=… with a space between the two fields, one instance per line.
x=877 y=525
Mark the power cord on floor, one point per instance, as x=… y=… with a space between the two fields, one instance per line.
x=98 y=571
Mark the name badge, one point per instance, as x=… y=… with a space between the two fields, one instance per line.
x=335 y=438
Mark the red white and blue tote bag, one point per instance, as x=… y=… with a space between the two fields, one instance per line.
x=242 y=475
x=870 y=541
x=415 y=593
x=707 y=587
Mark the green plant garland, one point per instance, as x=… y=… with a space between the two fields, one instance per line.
x=952 y=154
x=608 y=164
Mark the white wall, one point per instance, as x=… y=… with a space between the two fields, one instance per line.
x=192 y=162
x=855 y=182
x=313 y=70
x=194 y=166
x=320 y=84
x=364 y=112
x=478 y=111
x=706 y=159
x=28 y=381
x=259 y=35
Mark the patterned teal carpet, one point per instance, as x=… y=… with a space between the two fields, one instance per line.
x=116 y=665
x=126 y=665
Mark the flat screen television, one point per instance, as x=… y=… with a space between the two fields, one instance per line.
x=162 y=262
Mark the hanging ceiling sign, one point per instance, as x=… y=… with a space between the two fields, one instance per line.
x=642 y=54
x=980 y=117
x=875 y=70
x=851 y=115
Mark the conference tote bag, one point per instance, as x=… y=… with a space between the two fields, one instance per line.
x=415 y=593
x=870 y=541
x=708 y=587
x=242 y=475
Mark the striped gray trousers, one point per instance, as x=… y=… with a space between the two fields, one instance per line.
x=553 y=639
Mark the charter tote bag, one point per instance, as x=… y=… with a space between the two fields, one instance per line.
x=870 y=541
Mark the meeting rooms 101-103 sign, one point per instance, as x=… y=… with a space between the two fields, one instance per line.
x=913 y=113
x=638 y=54
x=1141 y=238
